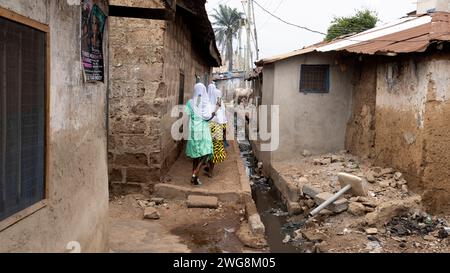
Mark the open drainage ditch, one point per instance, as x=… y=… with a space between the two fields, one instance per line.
x=269 y=205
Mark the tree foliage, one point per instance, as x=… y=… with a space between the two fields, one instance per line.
x=361 y=21
x=227 y=22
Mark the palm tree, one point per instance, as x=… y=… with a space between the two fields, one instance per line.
x=227 y=22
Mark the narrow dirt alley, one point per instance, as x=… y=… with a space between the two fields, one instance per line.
x=179 y=227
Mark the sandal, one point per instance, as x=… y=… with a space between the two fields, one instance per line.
x=195 y=181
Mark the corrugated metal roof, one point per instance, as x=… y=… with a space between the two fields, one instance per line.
x=405 y=35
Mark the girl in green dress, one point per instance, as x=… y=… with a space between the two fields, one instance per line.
x=199 y=145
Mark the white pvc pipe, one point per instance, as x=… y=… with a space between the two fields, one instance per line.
x=331 y=200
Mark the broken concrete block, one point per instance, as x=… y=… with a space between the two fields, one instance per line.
x=294 y=208
x=356 y=209
x=398 y=176
x=314 y=236
x=338 y=206
x=151 y=213
x=310 y=191
x=385 y=183
x=207 y=202
x=385 y=211
x=371 y=231
x=157 y=200
x=256 y=225
x=370 y=178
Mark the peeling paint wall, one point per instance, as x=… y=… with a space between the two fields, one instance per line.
x=77 y=207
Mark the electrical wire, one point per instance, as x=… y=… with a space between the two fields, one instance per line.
x=288 y=23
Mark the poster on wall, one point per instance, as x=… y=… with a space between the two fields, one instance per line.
x=93 y=21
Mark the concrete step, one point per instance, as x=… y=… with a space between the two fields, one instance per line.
x=174 y=192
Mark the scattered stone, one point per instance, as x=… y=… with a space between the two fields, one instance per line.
x=314 y=236
x=398 y=176
x=286 y=239
x=372 y=231
x=298 y=235
x=338 y=206
x=393 y=184
x=306 y=153
x=385 y=183
x=157 y=200
x=404 y=189
x=310 y=191
x=402 y=245
x=372 y=238
x=336 y=158
x=374 y=247
x=385 y=211
x=428 y=238
x=402 y=182
x=196 y=201
x=151 y=213
x=370 y=178
x=310 y=203
x=302 y=181
x=260 y=165
x=356 y=209
x=249 y=239
x=326 y=212
x=387 y=171
x=377 y=172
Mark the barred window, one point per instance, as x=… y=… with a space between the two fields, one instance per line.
x=22 y=116
x=315 y=78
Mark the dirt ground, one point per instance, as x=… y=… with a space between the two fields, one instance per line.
x=179 y=228
x=200 y=230
x=391 y=219
x=226 y=177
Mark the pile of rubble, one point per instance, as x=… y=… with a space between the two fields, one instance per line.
x=388 y=215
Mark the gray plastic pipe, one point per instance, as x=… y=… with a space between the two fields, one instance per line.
x=331 y=200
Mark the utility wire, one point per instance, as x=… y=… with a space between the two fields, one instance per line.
x=302 y=27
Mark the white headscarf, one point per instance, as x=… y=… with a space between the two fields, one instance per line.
x=221 y=117
x=200 y=102
x=211 y=89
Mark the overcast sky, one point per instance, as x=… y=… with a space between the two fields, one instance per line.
x=276 y=37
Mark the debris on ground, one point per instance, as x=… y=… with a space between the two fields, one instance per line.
x=151 y=213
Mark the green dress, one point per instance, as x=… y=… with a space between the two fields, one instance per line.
x=200 y=142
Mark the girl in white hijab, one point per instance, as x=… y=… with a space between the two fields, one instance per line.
x=217 y=125
x=199 y=146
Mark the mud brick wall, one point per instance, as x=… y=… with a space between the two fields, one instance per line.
x=412 y=129
x=147 y=58
x=360 y=138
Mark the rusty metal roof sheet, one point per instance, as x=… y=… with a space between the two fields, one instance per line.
x=405 y=35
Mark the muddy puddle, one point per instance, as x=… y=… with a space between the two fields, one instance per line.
x=215 y=236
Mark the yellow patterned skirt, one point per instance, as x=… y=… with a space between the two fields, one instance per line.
x=219 y=154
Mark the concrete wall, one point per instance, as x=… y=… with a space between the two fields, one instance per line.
x=316 y=122
x=77 y=207
x=148 y=57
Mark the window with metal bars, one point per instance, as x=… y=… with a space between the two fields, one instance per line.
x=315 y=78
x=22 y=116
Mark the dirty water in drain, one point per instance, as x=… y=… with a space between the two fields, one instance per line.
x=269 y=205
